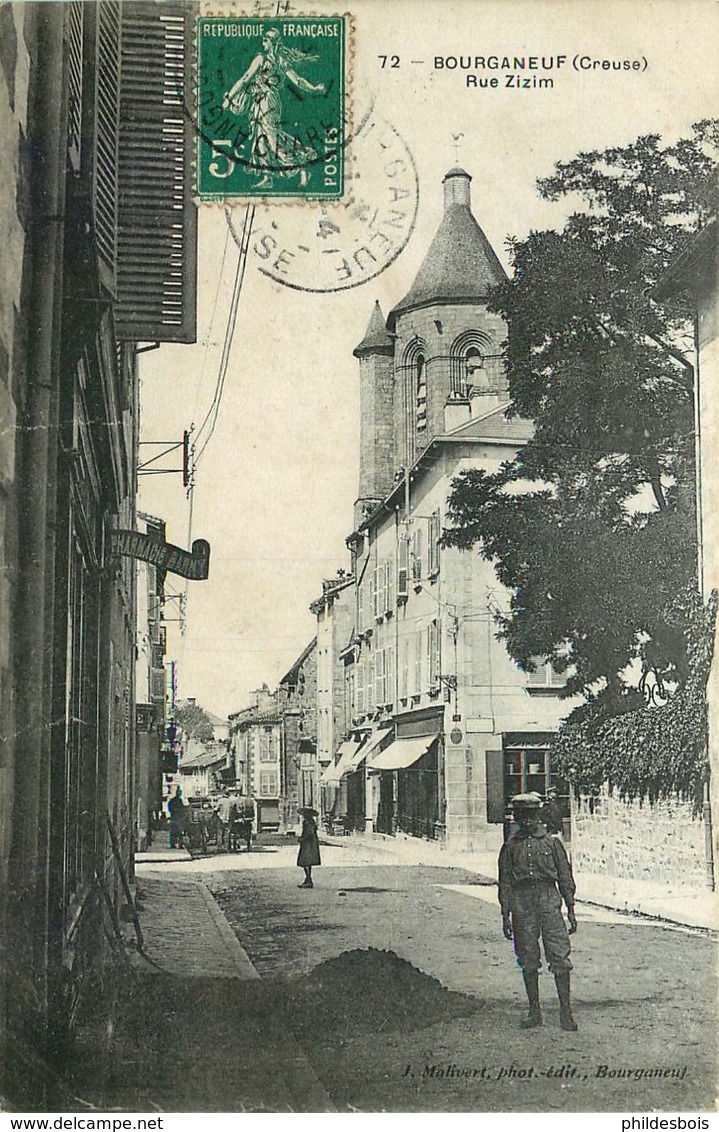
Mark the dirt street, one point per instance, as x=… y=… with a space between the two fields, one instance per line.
x=390 y=987
x=378 y=1038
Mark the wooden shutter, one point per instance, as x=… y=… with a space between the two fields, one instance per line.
x=433 y=674
x=157 y=223
x=417 y=550
x=419 y=644
x=404 y=667
x=389 y=585
x=102 y=28
x=494 y=761
x=157 y=684
x=75 y=74
x=389 y=676
x=435 y=531
x=361 y=604
x=359 y=687
x=403 y=571
x=379 y=696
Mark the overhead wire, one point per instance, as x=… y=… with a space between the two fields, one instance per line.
x=208 y=341
x=214 y=409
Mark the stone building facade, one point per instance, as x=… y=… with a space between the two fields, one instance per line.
x=256 y=751
x=151 y=740
x=297 y=699
x=443 y=726
x=90 y=269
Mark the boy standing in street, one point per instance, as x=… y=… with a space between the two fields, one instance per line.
x=534 y=877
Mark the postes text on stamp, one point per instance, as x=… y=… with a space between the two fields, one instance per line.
x=271 y=107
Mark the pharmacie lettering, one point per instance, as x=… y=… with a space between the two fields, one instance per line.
x=499 y=62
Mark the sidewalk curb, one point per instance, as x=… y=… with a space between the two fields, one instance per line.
x=298 y=1073
x=245 y=967
x=299 y=1077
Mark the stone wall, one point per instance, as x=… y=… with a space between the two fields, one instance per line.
x=661 y=843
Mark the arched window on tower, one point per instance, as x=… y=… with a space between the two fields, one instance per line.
x=475 y=373
x=469 y=355
x=420 y=384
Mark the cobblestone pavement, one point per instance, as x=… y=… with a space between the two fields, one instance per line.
x=188 y=936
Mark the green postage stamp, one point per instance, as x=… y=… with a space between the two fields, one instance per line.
x=271 y=107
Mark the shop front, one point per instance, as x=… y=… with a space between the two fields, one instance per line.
x=523 y=765
x=409 y=794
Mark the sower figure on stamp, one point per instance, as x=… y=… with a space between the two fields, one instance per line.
x=257 y=93
x=534 y=877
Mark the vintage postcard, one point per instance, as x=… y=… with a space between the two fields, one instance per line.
x=359 y=711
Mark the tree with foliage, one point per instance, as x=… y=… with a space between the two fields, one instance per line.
x=592 y=527
x=194 y=721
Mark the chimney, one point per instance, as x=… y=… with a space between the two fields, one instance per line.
x=456 y=189
x=457 y=411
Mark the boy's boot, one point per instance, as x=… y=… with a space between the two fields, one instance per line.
x=566 y=1021
x=531 y=983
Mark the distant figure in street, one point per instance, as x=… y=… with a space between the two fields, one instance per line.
x=534 y=875
x=551 y=815
x=223 y=816
x=176 y=810
x=309 y=853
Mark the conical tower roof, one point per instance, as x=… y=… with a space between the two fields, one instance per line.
x=461 y=265
x=376 y=339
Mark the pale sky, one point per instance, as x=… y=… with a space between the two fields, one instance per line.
x=276 y=484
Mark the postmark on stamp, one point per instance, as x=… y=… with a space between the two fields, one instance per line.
x=338 y=245
x=271 y=107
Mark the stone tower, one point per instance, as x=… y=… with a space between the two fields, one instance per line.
x=377 y=452
x=447 y=345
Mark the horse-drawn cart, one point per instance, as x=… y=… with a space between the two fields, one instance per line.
x=241 y=822
x=201 y=825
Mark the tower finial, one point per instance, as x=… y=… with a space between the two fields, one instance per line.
x=455 y=142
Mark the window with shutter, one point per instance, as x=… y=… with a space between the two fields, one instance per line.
x=361 y=604
x=157 y=219
x=435 y=531
x=389 y=585
x=389 y=676
x=419 y=645
x=379 y=681
x=157 y=683
x=495 y=786
x=103 y=27
x=268 y=783
x=373 y=592
x=403 y=569
x=404 y=667
x=359 y=687
x=433 y=637
x=544 y=676
x=75 y=69
x=417 y=550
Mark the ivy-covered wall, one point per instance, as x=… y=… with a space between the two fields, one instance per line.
x=660 y=842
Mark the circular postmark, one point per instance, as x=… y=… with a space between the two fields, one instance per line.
x=335 y=246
